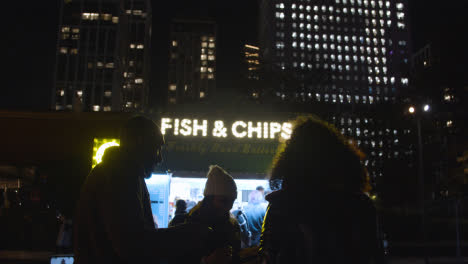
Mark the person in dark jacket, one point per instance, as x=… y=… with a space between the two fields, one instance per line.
x=255 y=212
x=113 y=220
x=319 y=167
x=180 y=213
x=213 y=211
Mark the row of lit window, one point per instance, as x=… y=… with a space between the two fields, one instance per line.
x=96 y=16
x=65 y=50
x=353 y=11
x=341 y=67
x=205 y=57
x=136 y=46
x=302 y=35
x=99 y=64
x=364 y=3
x=206 y=69
x=325 y=46
x=135 y=13
x=339 y=98
x=209 y=76
x=207 y=51
x=95 y=108
x=205 y=44
x=374 y=22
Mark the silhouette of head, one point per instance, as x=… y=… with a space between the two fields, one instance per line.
x=318 y=157
x=142 y=140
x=181 y=205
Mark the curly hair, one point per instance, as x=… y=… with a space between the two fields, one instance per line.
x=318 y=157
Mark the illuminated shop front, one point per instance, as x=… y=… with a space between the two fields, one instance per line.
x=245 y=148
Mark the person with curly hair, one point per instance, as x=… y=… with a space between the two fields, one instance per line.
x=320 y=211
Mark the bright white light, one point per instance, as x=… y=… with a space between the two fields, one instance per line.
x=251 y=129
x=426 y=108
x=234 y=129
x=186 y=128
x=165 y=124
x=411 y=109
x=203 y=127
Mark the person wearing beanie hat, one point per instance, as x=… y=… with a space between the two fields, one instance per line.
x=214 y=212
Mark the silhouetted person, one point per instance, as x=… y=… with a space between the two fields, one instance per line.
x=113 y=221
x=213 y=211
x=255 y=212
x=319 y=168
x=180 y=213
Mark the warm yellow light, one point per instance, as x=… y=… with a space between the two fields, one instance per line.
x=100 y=146
x=411 y=109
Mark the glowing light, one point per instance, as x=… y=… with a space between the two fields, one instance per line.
x=251 y=129
x=187 y=129
x=203 y=127
x=286 y=130
x=411 y=109
x=426 y=108
x=234 y=129
x=274 y=129
x=165 y=124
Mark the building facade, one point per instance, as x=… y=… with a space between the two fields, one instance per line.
x=349 y=56
x=103 y=56
x=192 y=61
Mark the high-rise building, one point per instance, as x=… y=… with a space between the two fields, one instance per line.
x=252 y=59
x=362 y=49
x=102 y=57
x=192 y=61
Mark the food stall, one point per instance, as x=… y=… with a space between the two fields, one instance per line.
x=243 y=147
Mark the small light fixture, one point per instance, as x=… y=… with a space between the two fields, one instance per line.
x=411 y=109
x=426 y=108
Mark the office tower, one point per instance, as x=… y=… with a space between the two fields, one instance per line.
x=361 y=48
x=192 y=61
x=103 y=56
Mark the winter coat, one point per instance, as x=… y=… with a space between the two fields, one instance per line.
x=225 y=234
x=178 y=219
x=255 y=212
x=327 y=228
x=114 y=223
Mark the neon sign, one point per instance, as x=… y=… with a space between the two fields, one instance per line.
x=100 y=146
x=219 y=129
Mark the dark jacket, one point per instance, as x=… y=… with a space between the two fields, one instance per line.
x=328 y=228
x=114 y=222
x=178 y=219
x=225 y=233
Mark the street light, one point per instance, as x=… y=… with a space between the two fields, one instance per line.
x=412 y=111
x=426 y=108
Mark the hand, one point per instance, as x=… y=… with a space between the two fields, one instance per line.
x=219 y=256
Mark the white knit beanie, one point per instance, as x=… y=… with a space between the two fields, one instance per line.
x=220 y=183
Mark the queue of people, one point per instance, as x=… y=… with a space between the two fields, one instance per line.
x=317 y=166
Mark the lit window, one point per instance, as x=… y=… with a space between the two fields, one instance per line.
x=110 y=65
x=172 y=87
x=107 y=93
x=211 y=57
x=203 y=57
x=100 y=64
x=140 y=46
x=400 y=15
x=115 y=20
x=399 y=6
x=132 y=46
x=211 y=45
x=401 y=25
x=293 y=6
x=139 y=80
x=96 y=108
x=106 y=17
x=210 y=76
x=404 y=81
x=63 y=50
x=293 y=16
x=202 y=94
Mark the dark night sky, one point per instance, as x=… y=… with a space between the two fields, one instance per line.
x=30 y=29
